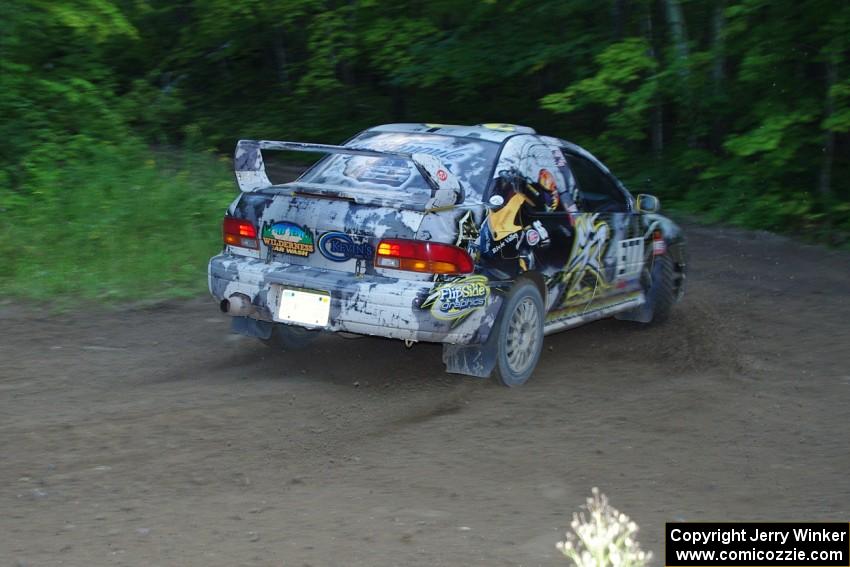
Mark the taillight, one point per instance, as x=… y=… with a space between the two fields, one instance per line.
x=238 y=232
x=422 y=256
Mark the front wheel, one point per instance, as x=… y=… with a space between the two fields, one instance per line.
x=519 y=335
x=660 y=289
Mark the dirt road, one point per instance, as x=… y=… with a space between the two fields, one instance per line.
x=152 y=437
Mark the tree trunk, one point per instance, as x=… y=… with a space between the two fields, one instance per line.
x=656 y=117
x=280 y=58
x=399 y=104
x=718 y=73
x=825 y=184
x=679 y=34
x=676 y=21
x=618 y=16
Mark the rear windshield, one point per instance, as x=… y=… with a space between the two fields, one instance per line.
x=470 y=160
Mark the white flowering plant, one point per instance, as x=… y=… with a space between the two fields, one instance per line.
x=604 y=537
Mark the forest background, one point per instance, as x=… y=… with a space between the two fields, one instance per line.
x=118 y=117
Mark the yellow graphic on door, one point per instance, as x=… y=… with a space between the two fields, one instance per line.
x=503 y=222
x=585 y=273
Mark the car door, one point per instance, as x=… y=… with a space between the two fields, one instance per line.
x=528 y=229
x=547 y=240
x=607 y=252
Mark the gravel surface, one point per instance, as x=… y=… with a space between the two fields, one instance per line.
x=154 y=437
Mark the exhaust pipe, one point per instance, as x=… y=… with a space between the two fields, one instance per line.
x=237 y=305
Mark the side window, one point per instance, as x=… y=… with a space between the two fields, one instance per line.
x=596 y=191
x=542 y=166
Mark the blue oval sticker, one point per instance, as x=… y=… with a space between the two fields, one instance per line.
x=339 y=247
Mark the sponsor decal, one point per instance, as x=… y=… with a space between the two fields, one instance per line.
x=421 y=144
x=532 y=237
x=541 y=232
x=629 y=258
x=442 y=175
x=458 y=298
x=659 y=246
x=288 y=238
x=384 y=171
x=508 y=239
x=340 y=247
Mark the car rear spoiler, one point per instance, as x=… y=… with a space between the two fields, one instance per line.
x=251 y=170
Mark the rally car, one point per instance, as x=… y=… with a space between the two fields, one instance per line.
x=483 y=238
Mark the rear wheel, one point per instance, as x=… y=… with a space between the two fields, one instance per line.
x=519 y=335
x=290 y=337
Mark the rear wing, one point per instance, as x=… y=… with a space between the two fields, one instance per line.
x=251 y=170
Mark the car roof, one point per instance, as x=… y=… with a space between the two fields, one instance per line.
x=491 y=132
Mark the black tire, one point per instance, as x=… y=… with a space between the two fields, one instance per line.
x=519 y=338
x=660 y=289
x=290 y=337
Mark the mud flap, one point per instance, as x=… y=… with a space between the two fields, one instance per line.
x=642 y=314
x=251 y=327
x=473 y=360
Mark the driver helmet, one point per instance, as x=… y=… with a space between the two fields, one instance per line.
x=546 y=180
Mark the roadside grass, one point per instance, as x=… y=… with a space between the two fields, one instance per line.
x=118 y=226
x=129 y=224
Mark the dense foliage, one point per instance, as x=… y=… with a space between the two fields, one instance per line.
x=737 y=110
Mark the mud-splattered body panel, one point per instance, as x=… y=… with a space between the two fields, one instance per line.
x=518 y=204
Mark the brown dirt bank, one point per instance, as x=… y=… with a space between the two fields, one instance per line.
x=152 y=437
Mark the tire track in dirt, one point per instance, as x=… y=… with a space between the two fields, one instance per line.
x=156 y=436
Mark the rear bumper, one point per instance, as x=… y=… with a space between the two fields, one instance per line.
x=368 y=305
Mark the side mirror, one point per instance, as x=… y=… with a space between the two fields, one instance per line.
x=648 y=204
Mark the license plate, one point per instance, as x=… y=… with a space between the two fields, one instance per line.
x=304 y=307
